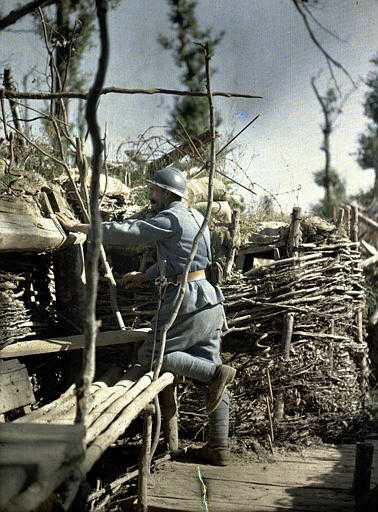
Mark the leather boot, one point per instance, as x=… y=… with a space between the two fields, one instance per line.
x=215 y=456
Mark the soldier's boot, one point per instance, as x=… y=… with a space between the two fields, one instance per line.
x=215 y=456
x=223 y=377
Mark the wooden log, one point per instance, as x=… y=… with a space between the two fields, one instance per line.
x=26 y=233
x=119 y=425
x=37 y=492
x=119 y=404
x=33 y=347
x=168 y=403
x=144 y=464
x=362 y=468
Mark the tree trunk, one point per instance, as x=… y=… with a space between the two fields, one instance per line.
x=61 y=53
x=375 y=189
x=327 y=168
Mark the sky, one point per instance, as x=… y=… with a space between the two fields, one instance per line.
x=266 y=50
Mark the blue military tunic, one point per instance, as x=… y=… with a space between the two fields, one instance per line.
x=198 y=326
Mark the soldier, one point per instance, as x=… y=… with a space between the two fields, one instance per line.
x=193 y=342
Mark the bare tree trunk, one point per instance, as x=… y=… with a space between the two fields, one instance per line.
x=375 y=188
x=327 y=166
x=61 y=52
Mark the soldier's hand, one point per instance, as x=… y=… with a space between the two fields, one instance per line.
x=133 y=280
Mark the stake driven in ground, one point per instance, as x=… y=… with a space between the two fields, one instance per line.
x=182 y=286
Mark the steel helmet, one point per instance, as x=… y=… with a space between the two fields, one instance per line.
x=171 y=179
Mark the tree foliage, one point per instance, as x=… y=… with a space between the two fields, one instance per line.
x=188 y=56
x=337 y=191
x=368 y=142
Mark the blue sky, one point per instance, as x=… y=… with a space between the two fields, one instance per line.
x=266 y=50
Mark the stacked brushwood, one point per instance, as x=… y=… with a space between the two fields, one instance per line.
x=26 y=298
x=294 y=334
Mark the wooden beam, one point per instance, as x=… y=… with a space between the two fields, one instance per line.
x=369 y=261
x=33 y=347
x=370 y=248
x=367 y=220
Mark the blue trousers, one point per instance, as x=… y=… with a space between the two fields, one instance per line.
x=193 y=351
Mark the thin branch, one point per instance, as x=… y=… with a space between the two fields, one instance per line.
x=57 y=161
x=222 y=149
x=330 y=60
x=17 y=14
x=193 y=146
x=239 y=133
x=120 y=90
x=327 y=30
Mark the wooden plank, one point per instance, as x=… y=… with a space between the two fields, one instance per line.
x=12 y=480
x=261 y=249
x=15 y=433
x=15 y=389
x=176 y=487
x=33 y=347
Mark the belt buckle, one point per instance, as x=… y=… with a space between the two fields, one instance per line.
x=161 y=281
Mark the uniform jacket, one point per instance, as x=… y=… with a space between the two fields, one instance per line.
x=173 y=230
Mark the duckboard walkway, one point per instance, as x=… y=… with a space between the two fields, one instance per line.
x=316 y=480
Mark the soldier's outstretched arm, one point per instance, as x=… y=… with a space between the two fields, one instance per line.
x=137 y=231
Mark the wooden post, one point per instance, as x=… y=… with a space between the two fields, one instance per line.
x=354 y=223
x=334 y=213
x=234 y=235
x=331 y=346
x=144 y=463
x=340 y=218
x=360 y=326
x=287 y=334
x=168 y=403
x=362 y=468
x=348 y=220
x=295 y=233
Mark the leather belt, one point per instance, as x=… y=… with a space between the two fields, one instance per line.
x=192 y=276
